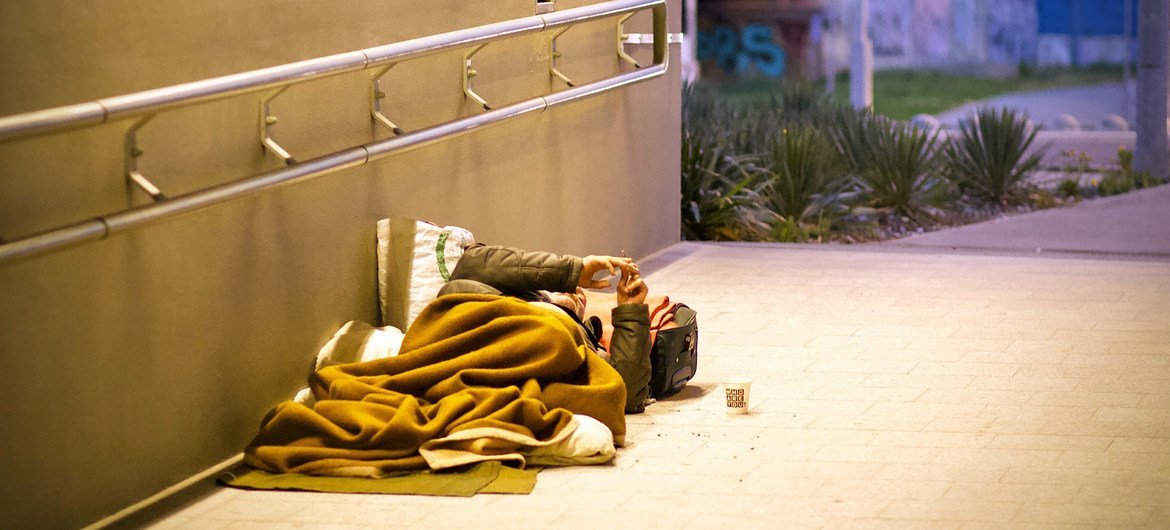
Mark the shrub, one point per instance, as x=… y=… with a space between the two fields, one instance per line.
x=749 y=129
x=990 y=155
x=802 y=104
x=805 y=179
x=1043 y=199
x=1124 y=159
x=789 y=231
x=905 y=171
x=1118 y=182
x=1076 y=163
x=786 y=105
x=1124 y=179
x=1069 y=187
x=1115 y=183
x=1141 y=179
x=855 y=135
x=701 y=108
x=718 y=198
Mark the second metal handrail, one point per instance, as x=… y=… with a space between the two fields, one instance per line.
x=102 y=227
x=156 y=100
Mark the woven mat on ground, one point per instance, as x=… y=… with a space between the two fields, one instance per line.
x=484 y=477
x=479 y=378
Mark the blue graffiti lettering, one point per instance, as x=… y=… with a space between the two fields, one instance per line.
x=739 y=53
x=726 y=48
x=758 y=44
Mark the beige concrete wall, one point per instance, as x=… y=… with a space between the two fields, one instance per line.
x=134 y=362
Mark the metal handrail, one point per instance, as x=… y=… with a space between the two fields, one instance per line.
x=44 y=122
x=151 y=101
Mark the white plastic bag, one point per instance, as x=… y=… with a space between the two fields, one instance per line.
x=415 y=259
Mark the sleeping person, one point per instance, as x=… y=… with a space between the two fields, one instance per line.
x=500 y=366
x=556 y=282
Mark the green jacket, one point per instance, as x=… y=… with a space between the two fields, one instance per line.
x=503 y=270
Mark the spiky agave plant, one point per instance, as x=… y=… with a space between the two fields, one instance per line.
x=701 y=106
x=855 y=135
x=805 y=105
x=806 y=181
x=749 y=128
x=904 y=171
x=990 y=155
x=719 y=197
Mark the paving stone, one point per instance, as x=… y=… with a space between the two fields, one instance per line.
x=891 y=390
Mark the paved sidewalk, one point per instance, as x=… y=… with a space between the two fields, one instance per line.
x=1135 y=224
x=891 y=390
x=1089 y=104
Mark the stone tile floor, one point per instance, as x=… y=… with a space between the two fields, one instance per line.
x=891 y=390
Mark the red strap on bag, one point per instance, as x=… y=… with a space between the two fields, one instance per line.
x=662 y=318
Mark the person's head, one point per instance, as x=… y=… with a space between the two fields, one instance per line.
x=573 y=302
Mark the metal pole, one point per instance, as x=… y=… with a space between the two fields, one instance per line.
x=1127 y=60
x=1153 y=32
x=861 y=60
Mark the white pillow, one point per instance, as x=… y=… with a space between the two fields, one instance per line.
x=358 y=342
x=355 y=342
x=415 y=259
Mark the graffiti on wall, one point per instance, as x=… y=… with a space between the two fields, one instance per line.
x=965 y=35
x=1011 y=30
x=889 y=27
x=932 y=35
x=743 y=52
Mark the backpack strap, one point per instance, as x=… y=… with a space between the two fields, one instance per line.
x=662 y=318
x=660 y=313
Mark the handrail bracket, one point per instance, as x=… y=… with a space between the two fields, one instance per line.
x=267 y=120
x=621 y=41
x=468 y=73
x=376 y=97
x=137 y=109
x=554 y=55
x=134 y=178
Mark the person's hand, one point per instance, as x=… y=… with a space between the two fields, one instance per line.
x=631 y=289
x=595 y=264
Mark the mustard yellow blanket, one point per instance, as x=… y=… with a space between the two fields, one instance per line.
x=478 y=374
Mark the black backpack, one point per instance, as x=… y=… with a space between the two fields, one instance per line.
x=674 y=356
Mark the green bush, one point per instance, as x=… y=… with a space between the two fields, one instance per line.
x=749 y=128
x=805 y=179
x=990 y=155
x=785 y=163
x=1115 y=183
x=1124 y=179
x=702 y=110
x=1141 y=179
x=1069 y=188
x=1043 y=199
x=719 y=201
x=789 y=231
x=904 y=171
x=801 y=104
x=855 y=133
x=720 y=197
x=1124 y=159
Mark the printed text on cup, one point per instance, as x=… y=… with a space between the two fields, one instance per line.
x=735 y=398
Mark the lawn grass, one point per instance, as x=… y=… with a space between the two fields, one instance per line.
x=900 y=94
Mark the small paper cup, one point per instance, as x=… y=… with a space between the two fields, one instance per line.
x=737 y=393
